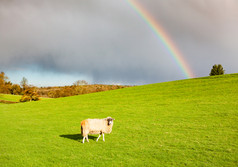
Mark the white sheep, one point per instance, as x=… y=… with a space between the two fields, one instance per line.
x=96 y=126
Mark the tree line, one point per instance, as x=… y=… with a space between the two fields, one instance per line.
x=28 y=92
x=32 y=93
x=7 y=87
x=56 y=92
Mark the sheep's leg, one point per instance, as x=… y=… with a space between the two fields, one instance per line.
x=103 y=137
x=83 y=139
x=87 y=139
x=98 y=136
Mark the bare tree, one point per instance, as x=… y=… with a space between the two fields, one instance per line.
x=24 y=83
x=80 y=82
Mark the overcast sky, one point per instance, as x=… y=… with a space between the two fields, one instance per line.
x=56 y=42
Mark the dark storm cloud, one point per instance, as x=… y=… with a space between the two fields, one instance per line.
x=109 y=42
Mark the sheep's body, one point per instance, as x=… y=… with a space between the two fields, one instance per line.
x=96 y=126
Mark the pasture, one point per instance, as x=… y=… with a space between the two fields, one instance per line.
x=190 y=122
x=7 y=97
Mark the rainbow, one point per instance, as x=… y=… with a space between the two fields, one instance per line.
x=163 y=37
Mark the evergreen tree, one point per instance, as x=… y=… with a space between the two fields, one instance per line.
x=217 y=70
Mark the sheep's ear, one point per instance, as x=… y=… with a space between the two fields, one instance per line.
x=113 y=119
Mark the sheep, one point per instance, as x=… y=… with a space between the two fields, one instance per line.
x=96 y=126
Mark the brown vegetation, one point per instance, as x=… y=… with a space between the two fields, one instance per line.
x=31 y=92
x=7 y=102
x=5 y=86
x=55 y=92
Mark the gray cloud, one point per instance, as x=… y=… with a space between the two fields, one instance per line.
x=109 y=42
x=205 y=31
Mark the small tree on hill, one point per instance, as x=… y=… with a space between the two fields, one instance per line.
x=24 y=83
x=217 y=70
x=80 y=82
x=29 y=95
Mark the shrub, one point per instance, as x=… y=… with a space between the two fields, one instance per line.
x=29 y=95
x=35 y=98
x=52 y=94
x=25 y=98
x=16 y=89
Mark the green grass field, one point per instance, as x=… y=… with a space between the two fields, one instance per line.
x=7 y=97
x=182 y=123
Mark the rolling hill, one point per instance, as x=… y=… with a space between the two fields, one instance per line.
x=188 y=122
x=8 y=97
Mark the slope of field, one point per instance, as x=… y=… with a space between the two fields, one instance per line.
x=11 y=98
x=189 y=122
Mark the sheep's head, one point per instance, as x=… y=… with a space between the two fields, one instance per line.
x=110 y=120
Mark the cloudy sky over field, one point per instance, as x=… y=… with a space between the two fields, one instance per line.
x=56 y=42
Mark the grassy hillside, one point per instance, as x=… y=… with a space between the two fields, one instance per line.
x=8 y=97
x=189 y=122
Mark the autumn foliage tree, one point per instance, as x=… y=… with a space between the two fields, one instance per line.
x=16 y=89
x=30 y=95
x=4 y=84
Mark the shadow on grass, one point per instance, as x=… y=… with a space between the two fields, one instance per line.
x=77 y=137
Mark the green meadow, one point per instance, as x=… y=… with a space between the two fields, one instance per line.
x=7 y=97
x=190 y=122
